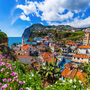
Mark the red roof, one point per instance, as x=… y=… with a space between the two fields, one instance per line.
x=84 y=46
x=68 y=65
x=26 y=46
x=23 y=56
x=65 y=72
x=42 y=48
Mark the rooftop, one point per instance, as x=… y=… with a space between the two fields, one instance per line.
x=84 y=46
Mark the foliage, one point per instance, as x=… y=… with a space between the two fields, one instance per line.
x=3 y=36
x=13 y=76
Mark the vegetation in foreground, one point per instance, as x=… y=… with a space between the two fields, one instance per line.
x=13 y=76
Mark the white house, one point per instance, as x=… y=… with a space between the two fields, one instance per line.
x=77 y=58
x=84 y=49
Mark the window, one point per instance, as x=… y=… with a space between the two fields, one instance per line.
x=18 y=53
x=74 y=57
x=82 y=58
x=78 y=58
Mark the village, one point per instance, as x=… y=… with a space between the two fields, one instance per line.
x=70 y=56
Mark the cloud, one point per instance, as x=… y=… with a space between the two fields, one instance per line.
x=16 y=0
x=28 y=8
x=14 y=20
x=54 y=10
x=79 y=23
x=52 y=16
x=23 y=17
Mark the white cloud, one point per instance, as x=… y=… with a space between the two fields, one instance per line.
x=28 y=8
x=14 y=20
x=16 y=0
x=23 y=17
x=53 y=10
x=79 y=23
x=83 y=15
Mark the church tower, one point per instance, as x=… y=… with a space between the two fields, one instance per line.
x=23 y=41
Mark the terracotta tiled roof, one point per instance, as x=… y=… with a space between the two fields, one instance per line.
x=68 y=65
x=35 y=64
x=71 y=74
x=46 y=57
x=42 y=45
x=84 y=46
x=42 y=48
x=18 y=51
x=26 y=46
x=52 y=45
x=70 y=43
x=23 y=56
x=81 y=56
x=78 y=61
x=65 y=72
x=80 y=76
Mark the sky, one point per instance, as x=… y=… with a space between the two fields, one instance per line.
x=16 y=15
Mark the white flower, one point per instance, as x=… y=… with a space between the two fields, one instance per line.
x=70 y=81
x=74 y=86
x=80 y=81
x=63 y=80
x=55 y=82
x=60 y=78
x=74 y=80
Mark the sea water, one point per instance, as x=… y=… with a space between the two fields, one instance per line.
x=12 y=40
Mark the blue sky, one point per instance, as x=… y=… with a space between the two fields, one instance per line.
x=16 y=15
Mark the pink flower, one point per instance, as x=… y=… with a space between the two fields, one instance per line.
x=2 y=88
x=8 y=57
x=21 y=88
x=5 y=86
x=20 y=82
x=0 y=84
x=9 y=80
x=4 y=79
x=3 y=69
x=5 y=59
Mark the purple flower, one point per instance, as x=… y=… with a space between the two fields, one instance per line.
x=3 y=69
x=5 y=86
x=0 y=84
x=14 y=66
x=9 y=80
x=5 y=59
x=20 y=82
x=8 y=57
x=14 y=74
x=2 y=88
x=21 y=88
x=4 y=79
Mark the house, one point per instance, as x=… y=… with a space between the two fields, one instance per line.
x=65 y=51
x=42 y=49
x=84 y=49
x=26 y=59
x=72 y=73
x=18 y=52
x=78 y=58
x=47 y=57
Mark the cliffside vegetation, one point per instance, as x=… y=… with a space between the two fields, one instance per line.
x=3 y=37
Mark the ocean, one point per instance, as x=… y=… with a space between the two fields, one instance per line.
x=12 y=40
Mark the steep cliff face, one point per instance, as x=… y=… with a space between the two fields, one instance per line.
x=35 y=27
x=4 y=48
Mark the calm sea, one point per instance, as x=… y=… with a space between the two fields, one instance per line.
x=16 y=40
